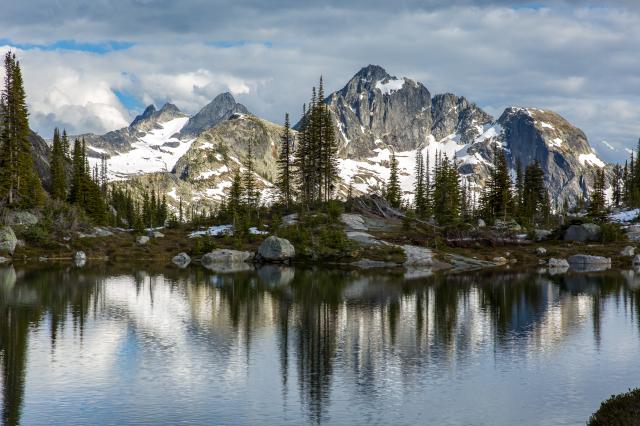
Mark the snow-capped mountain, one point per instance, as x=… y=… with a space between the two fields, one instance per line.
x=375 y=114
x=156 y=139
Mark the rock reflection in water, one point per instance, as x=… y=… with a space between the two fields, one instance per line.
x=334 y=334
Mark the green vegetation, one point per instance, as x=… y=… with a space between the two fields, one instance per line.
x=623 y=409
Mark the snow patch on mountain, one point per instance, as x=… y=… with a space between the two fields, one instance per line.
x=390 y=86
x=156 y=151
x=591 y=159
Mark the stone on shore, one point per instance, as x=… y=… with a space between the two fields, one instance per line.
x=20 y=217
x=363 y=238
x=541 y=251
x=142 y=240
x=582 y=233
x=8 y=240
x=541 y=234
x=558 y=263
x=226 y=256
x=628 y=251
x=181 y=260
x=369 y=264
x=224 y=260
x=353 y=221
x=275 y=249
x=587 y=263
x=80 y=258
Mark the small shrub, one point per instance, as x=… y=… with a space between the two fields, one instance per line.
x=623 y=409
x=611 y=232
x=334 y=210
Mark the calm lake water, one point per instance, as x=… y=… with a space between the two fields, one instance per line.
x=110 y=345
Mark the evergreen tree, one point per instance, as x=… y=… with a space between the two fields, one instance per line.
x=446 y=191
x=251 y=195
x=533 y=192
x=419 y=189
x=58 y=184
x=498 y=202
x=235 y=198
x=393 y=190
x=616 y=185
x=19 y=183
x=284 y=182
x=597 y=202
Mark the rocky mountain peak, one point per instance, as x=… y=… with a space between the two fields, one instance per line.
x=372 y=73
x=147 y=113
x=219 y=109
x=169 y=108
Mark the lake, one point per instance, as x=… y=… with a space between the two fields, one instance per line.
x=113 y=345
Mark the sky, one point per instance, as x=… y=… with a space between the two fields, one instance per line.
x=92 y=66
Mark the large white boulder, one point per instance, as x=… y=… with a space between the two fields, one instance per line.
x=275 y=249
x=8 y=240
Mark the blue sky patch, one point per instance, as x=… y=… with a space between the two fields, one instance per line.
x=226 y=44
x=100 y=47
x=129 y=101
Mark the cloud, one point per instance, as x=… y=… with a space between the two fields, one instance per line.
x=575 y=57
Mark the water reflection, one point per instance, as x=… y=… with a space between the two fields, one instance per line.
x=335 y=335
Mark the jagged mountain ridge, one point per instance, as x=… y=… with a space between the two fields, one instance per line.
x=374 y=114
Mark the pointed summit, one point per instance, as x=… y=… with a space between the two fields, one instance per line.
x=148 y=112
x=169 y=108
x=221 y=108
x=372 y=73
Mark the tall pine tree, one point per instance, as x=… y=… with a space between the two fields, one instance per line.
x=284 y=182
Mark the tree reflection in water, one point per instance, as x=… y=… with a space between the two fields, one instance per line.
x=365 y=323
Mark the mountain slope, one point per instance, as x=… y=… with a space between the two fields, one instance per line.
x=204 y=173
x=376 y=113
x=156 y=139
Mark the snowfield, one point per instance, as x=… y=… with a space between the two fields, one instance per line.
x=390 y=86
x=150 y=153
x=591 y=159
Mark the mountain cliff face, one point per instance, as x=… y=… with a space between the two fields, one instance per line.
x=221 y=108
x=375 y=114
x=156 y=139
x=203 y=175
x=375 y=108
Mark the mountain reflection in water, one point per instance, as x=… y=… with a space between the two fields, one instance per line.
x=110 y=345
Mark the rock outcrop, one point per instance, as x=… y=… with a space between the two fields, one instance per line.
x=182 y=260
x=8 y=240
x=275 y=249
x=582 y=233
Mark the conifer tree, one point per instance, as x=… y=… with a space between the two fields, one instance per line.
x=533 y=192
x=235 y=198
x=65 y=144
x=597 y=202
x=446 y=191
x=419 y=190
x=393 y=190
x=498 y=202
x=251 y=195
x=58 y=184
x=19 y=183
x=284 y=183
x=617 y=176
